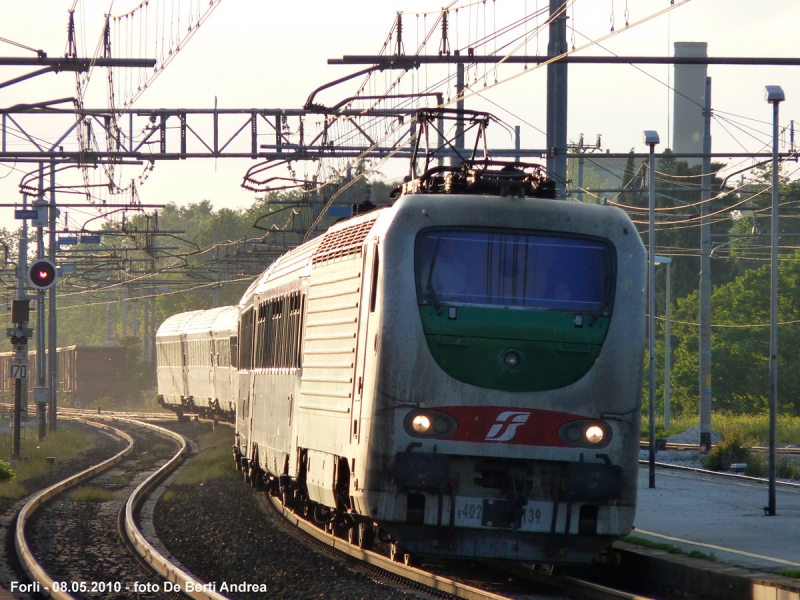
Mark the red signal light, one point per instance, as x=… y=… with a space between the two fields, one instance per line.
x=42 y=274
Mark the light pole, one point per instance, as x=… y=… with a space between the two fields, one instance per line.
x=665 y=260
x=774 y=95
x=651 y=139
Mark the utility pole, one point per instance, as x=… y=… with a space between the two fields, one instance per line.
x=705 y=281
x=459 y=105
x=53 y=340
x=124 y=311
x=19 y=332
x=557 y=98
x=109 y=317
x=41 y=393
x=216 y=267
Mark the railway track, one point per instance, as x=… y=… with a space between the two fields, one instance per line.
x=644 y=445
x=66 y=558
x=441 y=583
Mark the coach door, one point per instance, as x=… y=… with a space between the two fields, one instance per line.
x=366 y=306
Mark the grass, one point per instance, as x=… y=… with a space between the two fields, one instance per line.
x=213 y=460
x=640 y=541
x=754 y=428
x=92 y=494
x=64 y=444
x=151 y=454
x=793 y=573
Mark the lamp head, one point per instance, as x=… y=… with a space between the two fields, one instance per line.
x=774 y=93
x=651 y=137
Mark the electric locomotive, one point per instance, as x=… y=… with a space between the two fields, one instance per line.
x=461 y=371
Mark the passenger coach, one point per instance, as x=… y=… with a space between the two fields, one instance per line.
x=196 y=356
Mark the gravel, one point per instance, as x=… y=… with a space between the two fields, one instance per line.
x=104 y=447
x=684 y=458
x=223 y=531
x=78 y=540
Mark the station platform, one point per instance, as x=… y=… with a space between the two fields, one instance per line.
x=721 y=516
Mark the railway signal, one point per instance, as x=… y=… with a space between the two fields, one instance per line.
x=42 y=274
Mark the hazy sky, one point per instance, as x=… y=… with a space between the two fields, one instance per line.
x=259 y=54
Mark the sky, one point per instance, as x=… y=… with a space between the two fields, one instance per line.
x=257 y=54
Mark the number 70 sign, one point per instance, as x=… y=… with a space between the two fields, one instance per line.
x=17 y=368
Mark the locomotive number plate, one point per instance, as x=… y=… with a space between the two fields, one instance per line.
x=498 y=513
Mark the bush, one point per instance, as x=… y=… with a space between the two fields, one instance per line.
x=6 y=472
x=785 y=468
x=731 y=449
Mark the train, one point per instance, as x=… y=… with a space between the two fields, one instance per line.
x=196 y=357
x=456 y=374
x=85 y=374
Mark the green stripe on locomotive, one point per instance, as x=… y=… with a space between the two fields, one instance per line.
x=553 y=351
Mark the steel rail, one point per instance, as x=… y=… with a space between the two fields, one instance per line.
x=442 y=584
x=29 y=563
x=695 y=447
x=143 y=547
x=721 y=474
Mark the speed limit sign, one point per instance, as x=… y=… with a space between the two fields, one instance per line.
x=17 y=368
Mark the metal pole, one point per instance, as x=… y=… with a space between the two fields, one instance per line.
x=773 y=312
x=41 y=340
x=517 y=142
x=557 y=97
x=580 y=176
x=135 y=315
x=124 y=312
x=459 y=108
x=667 y=352
x=109 y=317
x=705 y=282
x=52 y=339
x=145 y=329
x=651 y=310
x=216 y=267
x=153 y=333
x=22 y=262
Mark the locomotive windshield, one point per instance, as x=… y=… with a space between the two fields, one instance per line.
x=495 y=268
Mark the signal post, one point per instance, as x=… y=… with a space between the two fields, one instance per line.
x=42 y=276
x=18 y=366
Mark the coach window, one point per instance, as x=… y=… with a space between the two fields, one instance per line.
x=246 y=347
x=373 y=296
x=234 y=351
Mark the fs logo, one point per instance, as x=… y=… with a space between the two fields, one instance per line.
x=506 y=425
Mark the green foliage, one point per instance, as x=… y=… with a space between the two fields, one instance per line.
x=793 y=573
x=733 y=448
x=646 y=543
x=702 y=555
x=6 y=472
x=739 y=345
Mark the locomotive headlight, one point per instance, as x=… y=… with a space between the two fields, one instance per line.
x=421 y=423
x=586 y=433
x=594 y=434
x=429 y=423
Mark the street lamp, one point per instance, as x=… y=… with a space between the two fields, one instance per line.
x=774 y=95
x=651 y=139
x=665 y=260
